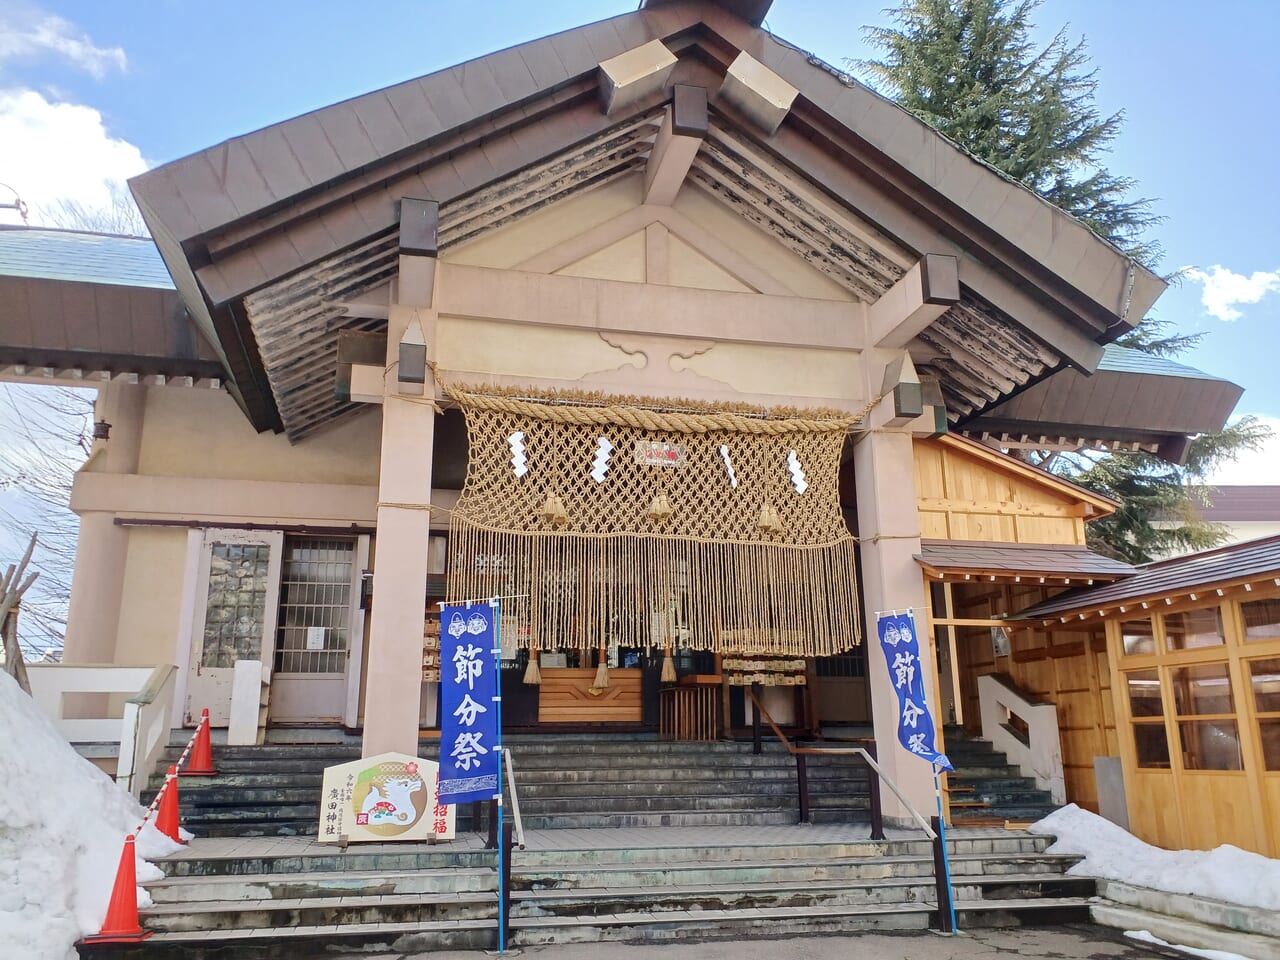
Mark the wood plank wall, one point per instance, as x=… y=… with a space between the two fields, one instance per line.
x=1067 y=667
x=566 y=697
x=967 y=496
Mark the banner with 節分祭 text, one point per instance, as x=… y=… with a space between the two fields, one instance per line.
x=470 y=739
x=902 y=655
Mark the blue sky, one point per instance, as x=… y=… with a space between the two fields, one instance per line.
x=89 y=89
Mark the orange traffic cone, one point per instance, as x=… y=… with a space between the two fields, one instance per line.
x=167 y=815
x=121 y=924
x=201 y=764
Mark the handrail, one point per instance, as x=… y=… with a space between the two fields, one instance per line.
x=806 y=751
x=515 y=800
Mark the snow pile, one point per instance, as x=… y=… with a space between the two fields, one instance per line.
x=1146 y=936
x=1226 y=873
x=62 y=827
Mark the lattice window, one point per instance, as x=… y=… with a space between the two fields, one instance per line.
x=315 y=605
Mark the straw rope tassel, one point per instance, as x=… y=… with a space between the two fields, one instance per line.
x=668 y=664
x=602 y=671
x=533 y=673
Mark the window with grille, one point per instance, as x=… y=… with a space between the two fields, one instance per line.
x=852 y=664
x=315 y=605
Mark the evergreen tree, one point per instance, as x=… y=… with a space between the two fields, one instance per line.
x=970 y=69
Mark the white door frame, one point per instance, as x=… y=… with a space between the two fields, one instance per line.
x=355 y=634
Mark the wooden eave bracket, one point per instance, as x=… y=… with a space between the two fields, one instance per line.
x=419 y=239
x=361 y=361
x=923 y=294
x=683 y=129
x=634 y=74
x=763 y=96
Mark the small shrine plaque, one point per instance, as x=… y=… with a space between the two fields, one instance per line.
x=389 y=797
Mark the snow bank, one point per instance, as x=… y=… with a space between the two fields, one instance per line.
x=1146 y=936
x=62 y=827
x=1226 y=873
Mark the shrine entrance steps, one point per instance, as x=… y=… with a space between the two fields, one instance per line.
x=564 y=781
x=270 y=898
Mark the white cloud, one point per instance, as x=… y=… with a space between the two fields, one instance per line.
x=1223 y=289
x=60 y=152
x=1253 y=467
x=28 y=34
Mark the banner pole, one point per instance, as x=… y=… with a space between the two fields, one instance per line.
x=497 y=706
x=946 y=858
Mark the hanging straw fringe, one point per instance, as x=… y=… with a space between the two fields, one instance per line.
x=603 y=541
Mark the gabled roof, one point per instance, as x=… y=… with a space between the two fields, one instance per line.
x=849 y=178
x=1098 y=505
x=1208 y=570
x=1133 y=401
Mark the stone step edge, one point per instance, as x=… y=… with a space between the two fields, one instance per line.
x=1235 y=917
x=214 y=907
x=535 y=872
x=784 y=886
x=1183 y=932
x=785 y=913
x=584 y=893
x=797 y=858
x=316 y=876
x=327 y=931
x=690 y=866
x=669 y=917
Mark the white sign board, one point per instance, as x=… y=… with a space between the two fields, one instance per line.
x=388 y=797
x=315 y=638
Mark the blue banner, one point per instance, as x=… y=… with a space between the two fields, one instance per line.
x=902 y=654
x=470 y=737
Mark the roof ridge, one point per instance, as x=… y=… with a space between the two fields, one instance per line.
x=72 y=231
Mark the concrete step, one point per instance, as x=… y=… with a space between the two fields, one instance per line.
x=659 y=897
x=319 y=911
x=787 y=921
x=1186 y=932
x=320 y=884
x=291 y=943
x=802 y=872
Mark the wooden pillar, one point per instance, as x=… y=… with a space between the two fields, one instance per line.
x=394 y=674
x=889 y=529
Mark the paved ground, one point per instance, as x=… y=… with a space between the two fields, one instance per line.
x=1075 y=942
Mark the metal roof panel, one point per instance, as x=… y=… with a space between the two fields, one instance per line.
x=37 y=253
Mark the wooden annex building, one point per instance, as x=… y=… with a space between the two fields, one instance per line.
x=696 y=349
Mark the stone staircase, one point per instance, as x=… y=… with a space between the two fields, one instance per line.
x=271 y=899
x=986 y=790
x=563 y=781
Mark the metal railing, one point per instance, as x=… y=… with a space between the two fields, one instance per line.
x=931 y=830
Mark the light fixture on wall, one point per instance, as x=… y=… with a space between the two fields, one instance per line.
x=101 y=430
